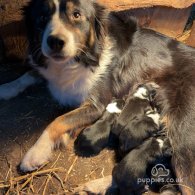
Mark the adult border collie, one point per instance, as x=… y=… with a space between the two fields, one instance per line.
x=89 y=56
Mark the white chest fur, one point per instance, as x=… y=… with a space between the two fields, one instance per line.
x=69 y=83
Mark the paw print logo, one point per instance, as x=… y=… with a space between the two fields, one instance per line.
x=160 y=170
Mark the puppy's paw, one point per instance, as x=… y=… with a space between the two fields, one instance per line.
x=88 y=144
x=39 y=154
x=84 y=147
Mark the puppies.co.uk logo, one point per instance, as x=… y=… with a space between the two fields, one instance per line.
x=159 y=174
x=160 y=170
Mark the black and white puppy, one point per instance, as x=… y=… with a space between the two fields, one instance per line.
x=137 y=168
x=160 y=171
x=138 y=120
x=96 y=137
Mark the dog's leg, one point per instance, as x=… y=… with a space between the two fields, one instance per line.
x=66 y=124
x=12 y=89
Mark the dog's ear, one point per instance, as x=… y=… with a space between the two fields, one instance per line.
x=100 y=22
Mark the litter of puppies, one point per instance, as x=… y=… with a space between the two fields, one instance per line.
x=132 y=126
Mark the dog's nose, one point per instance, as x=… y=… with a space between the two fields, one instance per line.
x=55 y=43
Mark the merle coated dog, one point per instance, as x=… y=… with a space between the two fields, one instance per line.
x=89 y=55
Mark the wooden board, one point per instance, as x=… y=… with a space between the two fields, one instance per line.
x=119 y=5
x=170 y=21
x=191 y=40
x=171 y=24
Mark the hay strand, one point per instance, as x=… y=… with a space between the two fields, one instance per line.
x=70 y=169
x=28 y=178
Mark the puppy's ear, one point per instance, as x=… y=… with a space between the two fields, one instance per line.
x=101 y=18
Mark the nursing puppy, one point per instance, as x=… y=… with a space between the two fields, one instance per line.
x=160 y=171
x=96 y=137
x=89 y=55
x=138 y=120
x=132 y=173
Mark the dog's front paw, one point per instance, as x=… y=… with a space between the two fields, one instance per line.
x=38 y=154
x=34 y=158
x=12 y=89
x=7 y=91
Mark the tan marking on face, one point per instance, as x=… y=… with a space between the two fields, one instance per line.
x=82 y=38
x=92 y=37
x=70 y=6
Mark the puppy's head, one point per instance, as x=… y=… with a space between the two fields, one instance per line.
x=64 y=29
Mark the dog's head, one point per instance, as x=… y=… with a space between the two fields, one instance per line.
x=64 y=29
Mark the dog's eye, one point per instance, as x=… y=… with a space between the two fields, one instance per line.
x=76 y=15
